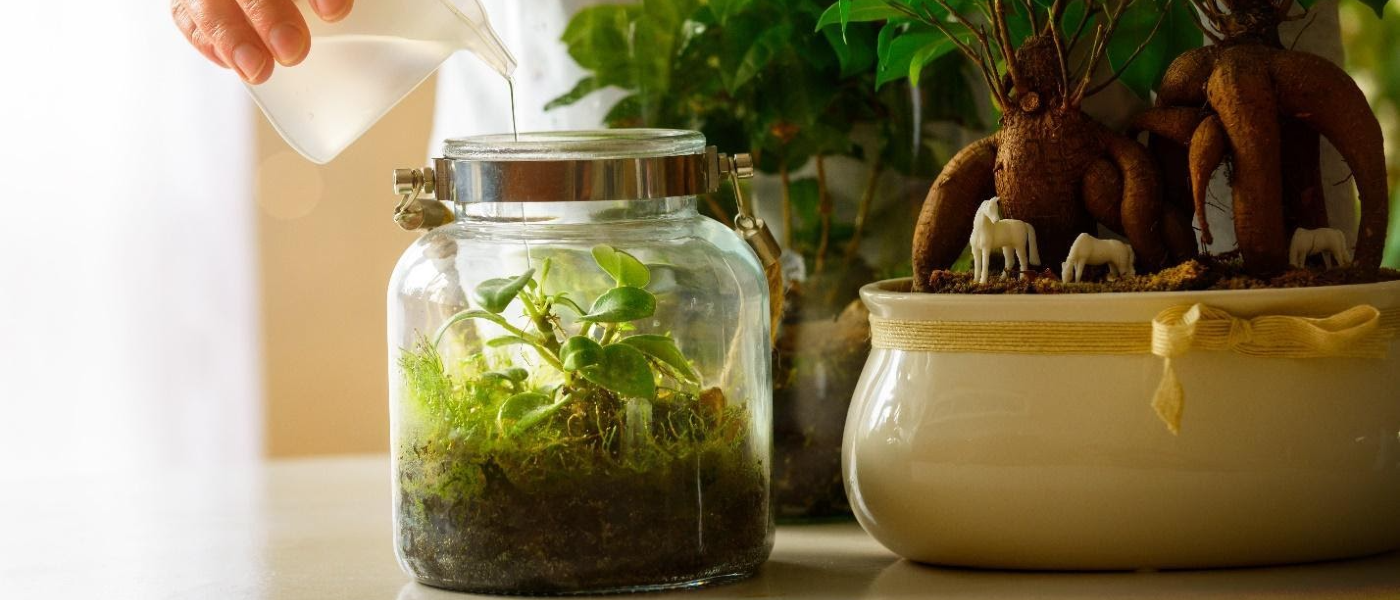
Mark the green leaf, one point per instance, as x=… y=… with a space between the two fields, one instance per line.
x=598 y=39
x=926 y=55
x=897 y=60
x=524 y=410
x=582 y=89
x=494 y=295
x=563 y=299
x=757 y=52
x=516 y=374
x=724 y=9
x=507 y=340
x=624 y=268
x=1376 y=5
x=620 y=305
x=624 y=370
x=465 y=315
x=1177 y=35
x=858 y=11
x=663 y=349
x=579 y=352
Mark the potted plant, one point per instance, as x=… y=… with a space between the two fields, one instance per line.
x=1180 y=410
x=578 y=452
x=847 y=147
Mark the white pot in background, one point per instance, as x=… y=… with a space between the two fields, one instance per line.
x=1060 y=462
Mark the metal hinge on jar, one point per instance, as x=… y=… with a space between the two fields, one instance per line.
x=416 y=210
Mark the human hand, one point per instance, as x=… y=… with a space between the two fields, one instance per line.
x=247 y=35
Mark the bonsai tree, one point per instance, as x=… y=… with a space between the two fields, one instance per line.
x=1050 y=163
x=1263 y=106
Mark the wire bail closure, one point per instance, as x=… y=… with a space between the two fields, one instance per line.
x=413 y=210
x=756 y=234
x=753 y=229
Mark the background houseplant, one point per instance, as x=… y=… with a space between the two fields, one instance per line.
x=848 y=155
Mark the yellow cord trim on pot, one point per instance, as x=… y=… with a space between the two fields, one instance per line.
x=1359 y=332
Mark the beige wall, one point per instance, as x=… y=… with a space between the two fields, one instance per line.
x=327 y=246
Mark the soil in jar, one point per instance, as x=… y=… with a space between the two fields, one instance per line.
x=581 y=503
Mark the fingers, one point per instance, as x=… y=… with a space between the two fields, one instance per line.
x=332 y=10
x=234 y=40
x=192 y=33
x=281 y=27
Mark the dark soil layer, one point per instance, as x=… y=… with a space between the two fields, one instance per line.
x=502 y=525
x=1225 y=272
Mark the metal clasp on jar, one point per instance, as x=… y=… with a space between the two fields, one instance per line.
x=415 y=209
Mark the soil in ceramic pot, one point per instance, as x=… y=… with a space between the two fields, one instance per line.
x=505 y=525
x=1222 y=272
x=817 y=362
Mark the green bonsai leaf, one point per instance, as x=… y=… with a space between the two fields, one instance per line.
x=579 y=352
x=1177 y=34
x=494 y=295
x=723 y=9
x=620 y=305
x=582 y=89
x=516 y=374
x=858 y=11
x=624 y=370
x=663 y=349
x=624 y=268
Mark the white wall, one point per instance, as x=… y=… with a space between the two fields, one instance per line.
x=128 y=321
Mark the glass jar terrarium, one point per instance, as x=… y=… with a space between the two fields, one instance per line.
x=581 y=382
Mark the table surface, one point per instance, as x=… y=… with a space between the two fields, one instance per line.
x=313 y=529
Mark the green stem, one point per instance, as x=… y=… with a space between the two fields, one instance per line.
x=534 y=342
x=540 y=317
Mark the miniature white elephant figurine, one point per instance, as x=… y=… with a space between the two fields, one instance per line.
x=1089 y=250
x=1016 y=239
x=1330 y=243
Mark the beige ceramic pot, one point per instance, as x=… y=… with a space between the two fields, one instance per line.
x=1059 y=461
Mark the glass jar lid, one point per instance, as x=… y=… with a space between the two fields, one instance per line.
x=619 y=164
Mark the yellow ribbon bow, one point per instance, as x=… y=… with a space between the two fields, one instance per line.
x=1353 y=333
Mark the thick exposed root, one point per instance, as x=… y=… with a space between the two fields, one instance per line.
x=1175 y=123
x=1041 y=161
x=1103 y=194
x=1169 y=131
x=1208 y=147
x=1142 y=200
x=1241 y=91
x=1180 y=235
x=1322 y=95
x=1184 y=83
x=946 y=219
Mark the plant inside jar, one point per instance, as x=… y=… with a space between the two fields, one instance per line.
x=609 y=467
